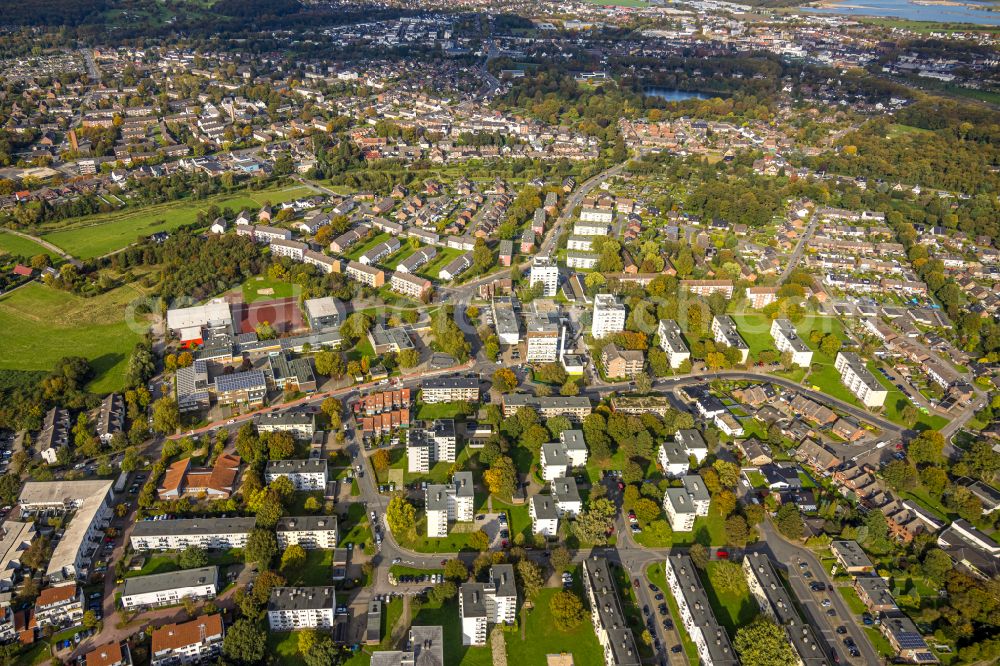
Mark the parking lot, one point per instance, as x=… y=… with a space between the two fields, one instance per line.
x=495 y=526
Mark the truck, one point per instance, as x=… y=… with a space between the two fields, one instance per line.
x=121 y=483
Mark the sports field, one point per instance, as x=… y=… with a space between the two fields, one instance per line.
x=97 y=235
x=39 y=325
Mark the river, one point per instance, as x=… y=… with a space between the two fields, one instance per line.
x=967 y=12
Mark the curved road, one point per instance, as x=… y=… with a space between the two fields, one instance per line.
x=44 y=243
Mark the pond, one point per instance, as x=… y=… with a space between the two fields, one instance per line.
x=674 y=95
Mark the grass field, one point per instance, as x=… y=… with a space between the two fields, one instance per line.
x=455 y=654
x=11 y=244
x=39 y=325
x=854 y=602
x=732 y=610
x=96 y=235
x=541 y=637
x=895 y=402
x=445 y=256
x=395 y=259
x=254 y=285
x=316 y=571
x=708 y=530
x=364 y=247
x=441 y=410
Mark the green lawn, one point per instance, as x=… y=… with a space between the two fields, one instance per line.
x=755 y=330
x=420 y=542
x=732 y=610
x=355 y=529
x=854 y=602
x=96 y=235
x=283 y=647
x=895 y=402
x=316 y=571
x=518 y=517
x=396 y=258
x=442 y=410
x=167 y=562
x=11 y=244
x=455 y=654
x=656 y=575
x=444 y=256
x=39 y=325
x=708 y=530
x=279 y=288
x=879 y=642
x=359 y=250
x=398 y=570
x=541 y=637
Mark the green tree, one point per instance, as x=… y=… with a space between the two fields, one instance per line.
x=530 y=575
x=261 y=547
x=409 y=358
x=727 y=578
x=788 y=520
x=763 y=643
x=380 y=460
x=456 y=570
x=561 y=559
x=737 y=531
x=927 y=447
x=244 y=643
x=504 y=380
x=400 y=515
x=193 y=557
x=937 y=565
x=166 y=416
x=501 y=477
x=900 y=475
x=293 y=558
x=699 y=555
x=567 y=610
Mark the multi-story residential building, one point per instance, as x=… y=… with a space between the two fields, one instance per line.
x=786 y=339
x=425 y=646
x=622 y=362
x=306 y=474
x=310 y=532
x=505 y=320
x=54 y=435
x=170 y=588
x=582 y=260
x=575 y=446
x=851 y=557
x=416 y=260
x=761 y=297
x=674 y=460
x=367 y=275
x=197 y=641
x=575 y=408
x=593 y=227
x=299 y=424
x=480 y=604
x=905 y=638
x=288 y=248
x=111 y=418
x=859 y=380
x=542 y=337
x=693 y=443
x=450 y=389
x=581 y=243
x=672 y=342
x=874 y=594
x=410 y=285
x=775 y=602
x=247 y=388
x=208 y=533
x=610 y=623
x=697 y=493
x=680 y=509
x=708 y=287
x=15 y=538
x=544 y=515
x=457 y=266
x=696 y=614
x=296 y=608
x=555 y=462
x=425 y=448
x=725 y=332
x=546 y=272
x=59 y=606
x=114 y=653
x=566 y=496
x=380 y=252
x=216 y=482
x=609 y=316
x=446 y=503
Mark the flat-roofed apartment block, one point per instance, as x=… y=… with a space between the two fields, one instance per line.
x=610 y=624
x=566 y=496
x=425 y=647
x=450 y=389
x=287 y=373
x=59 y=606
x=209 y=533
x=575 y=408
x=541 y=333
x=703 y=628
x=170 y=588
x=241 y=387
x=452 y=502
x=427 y=447
x=367 y=275
x=505 y=320
x=708 y=287
x=544 y=515
x=305 y=474
x=859 y=380
x=193 y=642
x=294 y=608
x=622 y=362
x=724 y=331
x=480 y=604
x=298 y=424
x=192 y=387
x=786 y=339
x=672 y=342
x=310 y=532
x=775 y=602
x=406 y=284
x=90 y=502
x=874 y=594
x=680 y=510
x=325 y=312
x=17 y=537
x=609 y=316
x=546 y=272
x=851 y=557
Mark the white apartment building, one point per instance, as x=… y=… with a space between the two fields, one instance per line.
x=542 y=337
x=580 y=243
x=693 y=443
x=59 y=606
x=555 y=462
x=450 y=389
x=698 y=494
x=566 y=496
x=674 y=460
x=480 y=604
x=702 y=627
x=609 y=316
x=680 y=510
x=610 y=623
x=209 y=533
x=426 y=448
x=575 y=446
x=170 y=588
x=583 y=260
x=310 y=532
x=725 y=332
x=305 y=475
x=288 y=248
x=294 y=608
x=544 y=515
x=859 y=380
x=544 y=270
x=193 y=642
x=603 y=217
x=786 y=339
x=409 y=285
x=446 y=503
x=672 y=342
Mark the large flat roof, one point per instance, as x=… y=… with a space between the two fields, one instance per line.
x=171 y=581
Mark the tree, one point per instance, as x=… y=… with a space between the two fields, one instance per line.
x=643 y=384
x=504 y=380
x=166 y=416
x=479 y=540
x=900 y=475
x=737 y=531
x=763 y=643
x=567 y=610
x=646 y=510
x=594 y=524
x=409 y=358
x=244 y=643
x=380 y=460
x=456 y=570
x=312 y=504
x=324 y=652
x=442 y=592
x=131 y=460
x=937 y=564
x=293 y=558
x=754 y=513
x=531 y=577
x=261 y=547
x=729 y=473
x=400 y=515
x=501 y=477
x=699 y=555
x=788 y=520
x=724 y=502
x=561 y=559
x=727 y=577
x=89 y=619
x=265 y=331
x=927 y=447
x=193 y=557
x=283 y=488
x=329 y=363
x=280 y=445
x=981 y=460
x=570 y=389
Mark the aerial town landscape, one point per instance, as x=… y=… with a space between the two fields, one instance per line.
x=472 y=333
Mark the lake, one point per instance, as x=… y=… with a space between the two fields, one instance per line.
x=673 y=95
x=907 y=9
